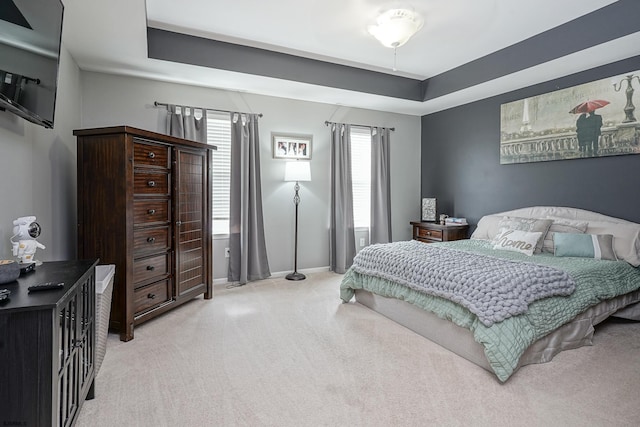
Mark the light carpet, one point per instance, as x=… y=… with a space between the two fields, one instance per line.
x=282 y=353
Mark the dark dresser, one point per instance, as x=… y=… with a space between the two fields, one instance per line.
x=144 y=205
x=47 y=346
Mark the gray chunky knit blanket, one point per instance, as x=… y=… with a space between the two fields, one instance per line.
x=491 y=288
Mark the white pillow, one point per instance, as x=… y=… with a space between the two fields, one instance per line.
x=517 y=241
x=524 y=224
x=487 y=227
x=562 y=225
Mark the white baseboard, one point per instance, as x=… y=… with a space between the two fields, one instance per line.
x=218 y=282
x=223 y=282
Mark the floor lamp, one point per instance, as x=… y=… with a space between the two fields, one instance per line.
x=297 y=171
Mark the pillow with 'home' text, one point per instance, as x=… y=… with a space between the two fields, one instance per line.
x=524 y=224
x=517 y=241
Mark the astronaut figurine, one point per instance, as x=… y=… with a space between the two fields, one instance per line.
x=23 y=242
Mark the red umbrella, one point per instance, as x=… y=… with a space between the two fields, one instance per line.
x=587 y=106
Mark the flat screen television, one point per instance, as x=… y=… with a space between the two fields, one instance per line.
x=30 y=37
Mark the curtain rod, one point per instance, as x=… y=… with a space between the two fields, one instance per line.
x=164 y=104
x=327 y=123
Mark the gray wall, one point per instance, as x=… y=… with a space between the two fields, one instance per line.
x=38 y=171
x=116 y=100
x=461 y=162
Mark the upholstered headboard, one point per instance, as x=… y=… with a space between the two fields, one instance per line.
x=626 y=234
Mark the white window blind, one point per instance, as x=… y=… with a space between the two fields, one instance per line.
x=219 y=134
x=361 y=175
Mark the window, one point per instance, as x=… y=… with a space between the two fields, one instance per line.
x=361 y=175
x=219 y=134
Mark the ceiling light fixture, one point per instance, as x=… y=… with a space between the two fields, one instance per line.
x=395 y=27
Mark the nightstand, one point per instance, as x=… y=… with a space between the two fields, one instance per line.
x=430 y=232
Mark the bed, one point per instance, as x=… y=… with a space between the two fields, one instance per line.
x=528 y=284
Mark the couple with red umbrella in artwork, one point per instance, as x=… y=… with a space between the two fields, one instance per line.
x=588 y=126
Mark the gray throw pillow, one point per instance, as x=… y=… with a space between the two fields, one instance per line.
x=562 y=225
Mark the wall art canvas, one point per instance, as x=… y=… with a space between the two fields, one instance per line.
x=594 y=119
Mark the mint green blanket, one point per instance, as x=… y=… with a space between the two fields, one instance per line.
x=504 y=342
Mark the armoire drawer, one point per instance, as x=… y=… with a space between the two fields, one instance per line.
x=145 y=269
x=147 y=212
x=150 y=183
x=150 y=240
x=151 y=296
x=150 y=155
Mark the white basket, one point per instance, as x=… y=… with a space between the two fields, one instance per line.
x=104 y=289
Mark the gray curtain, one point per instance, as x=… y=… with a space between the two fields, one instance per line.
x=181 y=122
x=342 y=240
x=247 y=248
x=380 y=231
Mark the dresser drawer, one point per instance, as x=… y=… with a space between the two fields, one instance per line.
x=426 y=233
x=430 y=232
x=150 y=296
x=150 y=155
x=150 y=183
x=147 y=212
x=150 y=240
x=145 y=269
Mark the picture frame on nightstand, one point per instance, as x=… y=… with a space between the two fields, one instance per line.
x=428 y=209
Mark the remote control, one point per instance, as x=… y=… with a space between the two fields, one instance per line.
x=45 y=286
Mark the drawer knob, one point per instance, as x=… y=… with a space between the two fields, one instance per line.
x=150 y=267
x=151 y=296
x=178 y=223
x=152 y=154
x=151 y=239
x=151 y=211
x=151 y=183
x=428 y=233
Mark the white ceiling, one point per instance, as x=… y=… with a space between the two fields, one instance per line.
x=110 y=36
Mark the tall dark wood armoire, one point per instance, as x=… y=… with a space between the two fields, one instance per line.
x=144 y=205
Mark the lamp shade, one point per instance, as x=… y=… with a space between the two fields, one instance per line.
x=395 y=27
x=297 y=171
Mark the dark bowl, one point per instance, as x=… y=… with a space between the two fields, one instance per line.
x=9 y=271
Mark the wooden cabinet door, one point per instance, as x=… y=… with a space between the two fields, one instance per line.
x=191 y=213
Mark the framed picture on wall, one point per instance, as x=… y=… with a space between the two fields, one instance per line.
x=291 y=146
x=593 y=119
